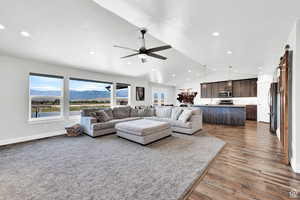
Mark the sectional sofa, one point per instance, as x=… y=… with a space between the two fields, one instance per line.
x=182 y=119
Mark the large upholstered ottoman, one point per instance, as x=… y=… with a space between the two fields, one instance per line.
x=143 y=131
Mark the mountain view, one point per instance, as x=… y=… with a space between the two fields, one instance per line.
x=77 y=95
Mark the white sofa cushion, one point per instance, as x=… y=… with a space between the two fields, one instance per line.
x=176 y=123
x=112 y=123
x=176 y=113
x=142 y=127
x=164 y=112
x=185 y=115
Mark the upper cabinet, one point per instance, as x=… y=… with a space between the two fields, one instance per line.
x=238 y=88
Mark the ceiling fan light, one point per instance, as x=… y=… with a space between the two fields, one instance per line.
x=142 y=56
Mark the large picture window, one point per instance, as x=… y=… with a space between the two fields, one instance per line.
x=122 y=94
x=88 y=94
x=46 y=96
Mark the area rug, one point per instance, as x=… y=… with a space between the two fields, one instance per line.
x=104 y=168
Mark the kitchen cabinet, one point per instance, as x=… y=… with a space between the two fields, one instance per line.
x=206 y=90
x=239 y=88
x=251 y=112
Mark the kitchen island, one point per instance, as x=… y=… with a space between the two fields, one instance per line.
x=234 y=115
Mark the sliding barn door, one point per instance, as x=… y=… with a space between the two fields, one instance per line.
x=284 y=102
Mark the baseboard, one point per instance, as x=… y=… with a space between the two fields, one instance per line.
x=295 y=166
x=29 y=138
x=263 y=122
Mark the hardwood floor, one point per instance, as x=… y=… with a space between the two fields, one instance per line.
x=250 y=166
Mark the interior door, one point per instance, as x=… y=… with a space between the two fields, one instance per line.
x=284 y=103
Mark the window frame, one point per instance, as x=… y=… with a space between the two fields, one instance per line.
x=61 y=98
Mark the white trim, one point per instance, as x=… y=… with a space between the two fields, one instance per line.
x=295 y=166
x=32 y=137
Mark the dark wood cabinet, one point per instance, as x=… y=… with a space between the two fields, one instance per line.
x=239 y=88
x=253 y=87
x=215 y=90
x=251 y=112
x=236 y=88
x=206 y=90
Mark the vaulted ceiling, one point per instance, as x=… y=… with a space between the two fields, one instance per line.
x=67 y=31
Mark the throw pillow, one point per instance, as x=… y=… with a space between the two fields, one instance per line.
x=109 y=113
x=134 y=112
x=101 y=116
x=176 y=113
x=185 y=115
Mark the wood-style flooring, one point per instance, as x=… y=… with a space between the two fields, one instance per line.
x=250 y=166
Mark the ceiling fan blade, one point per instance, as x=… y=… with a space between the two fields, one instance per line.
x=161 y=48
x=135 y=54
x=156 y=56
x=126 y=48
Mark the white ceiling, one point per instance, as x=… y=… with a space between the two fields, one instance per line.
x=65 y=31
x=254 y=30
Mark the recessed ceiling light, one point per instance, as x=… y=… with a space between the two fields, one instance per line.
x=153 y=69
x=25 y=34
x=216 y=34
x=189 y=71
x=236 y=71
x=128 y=63
x=92 y=52
x=188 y=79
x=260 y=68
x=229 y=52
x=214 y=69
x=2 y=27
x=173 y=75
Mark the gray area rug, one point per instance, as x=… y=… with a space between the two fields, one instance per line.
x=108 y=168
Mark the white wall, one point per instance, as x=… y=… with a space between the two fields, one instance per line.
x=169 y=92
x=294 y=42
x=14 y=87
x=263 y=88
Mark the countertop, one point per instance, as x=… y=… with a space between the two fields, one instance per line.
x=226 y=106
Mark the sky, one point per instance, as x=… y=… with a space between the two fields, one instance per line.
x=55 y=84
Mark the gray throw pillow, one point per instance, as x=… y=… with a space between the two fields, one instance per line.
x=101 y=116
x=109 y=113
x=134 y=112
x=146 y=112
x=176 y=113
x=185 y=115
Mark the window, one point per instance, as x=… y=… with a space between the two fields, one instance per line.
x=159 y=98
x=88 y=94
x=162 y=99
x=46 y=96
x=122 y=94
x=155 y=99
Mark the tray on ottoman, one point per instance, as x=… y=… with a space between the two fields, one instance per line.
x=143 y=131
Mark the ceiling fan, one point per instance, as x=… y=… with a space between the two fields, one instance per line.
x=142 y=53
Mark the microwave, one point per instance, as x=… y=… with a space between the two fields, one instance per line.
x=225 y=94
